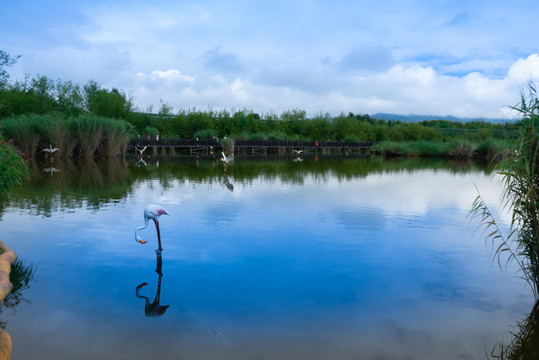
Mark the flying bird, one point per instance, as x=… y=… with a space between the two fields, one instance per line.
x=50 y=149
x=153 y=212
x=227 y=159
x=141 y=151
x=297 y=152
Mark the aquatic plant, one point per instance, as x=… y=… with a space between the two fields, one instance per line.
x=116 y=136
x=89 y=134
x=56 y=131
x=228 y=145
x=25 y=131
x=13 y=169
x=520 y=177
x=461 y=149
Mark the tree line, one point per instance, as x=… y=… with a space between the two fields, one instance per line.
x=41 y=95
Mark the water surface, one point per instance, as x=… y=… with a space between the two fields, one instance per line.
x=325 y=258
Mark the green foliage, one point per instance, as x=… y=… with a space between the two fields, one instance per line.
x=204 y=134
x=461 y=149
x=12 y=167
x=520 y=178
x=116 y=137
x=6 y=60
x=228 y=145
x=85 y=135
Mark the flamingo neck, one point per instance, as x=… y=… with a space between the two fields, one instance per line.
x=137 y=237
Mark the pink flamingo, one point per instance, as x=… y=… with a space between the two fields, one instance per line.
x=153 y=212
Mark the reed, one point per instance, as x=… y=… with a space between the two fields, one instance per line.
x=24 y=130
x=57 y=133
x=116 y=136
x=12 y=167
x=461 y=149
x=228 y=145
x=89 y=130
x=520 y=177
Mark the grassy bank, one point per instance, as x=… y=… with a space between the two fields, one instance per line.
x=456 y=149
x=12 y=166
x=85 y=135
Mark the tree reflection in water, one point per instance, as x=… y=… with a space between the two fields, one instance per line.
x=20 y=276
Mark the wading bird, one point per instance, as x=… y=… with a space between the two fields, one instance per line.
x=50 y=150
x=227 y=159
x=153 y=212
x=154 y=308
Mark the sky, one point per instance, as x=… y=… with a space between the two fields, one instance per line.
x=469 y=59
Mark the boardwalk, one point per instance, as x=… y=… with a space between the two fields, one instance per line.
x=252 y=147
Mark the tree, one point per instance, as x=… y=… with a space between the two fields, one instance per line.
x=6 y=60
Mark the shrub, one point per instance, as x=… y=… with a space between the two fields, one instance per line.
x=13 y=169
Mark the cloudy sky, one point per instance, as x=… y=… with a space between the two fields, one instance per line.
x=461 y=58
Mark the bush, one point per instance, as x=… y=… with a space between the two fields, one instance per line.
x=13 y=169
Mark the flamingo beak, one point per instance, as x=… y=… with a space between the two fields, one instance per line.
x=142 y=241
x=141 y=285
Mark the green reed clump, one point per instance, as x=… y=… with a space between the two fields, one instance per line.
x=228 y=145
x=116 y=136
x=204 y=134
x=13 y=169
x=461 y=149
x=491 y=148
x=89 y=130
x=520 y=177
x=411 y=148
x=57 y=132
x=25 y=131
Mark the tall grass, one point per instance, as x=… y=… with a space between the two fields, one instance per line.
x=116 y=137
x=25 y=131
x=228 y=145
x=85 y=135
x=12 y=167
x=520 y=178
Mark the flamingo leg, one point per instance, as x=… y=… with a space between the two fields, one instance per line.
x=158 y=234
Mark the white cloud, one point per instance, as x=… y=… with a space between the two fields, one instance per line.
x=170 y=75
x=346 y=57
x=524 y=70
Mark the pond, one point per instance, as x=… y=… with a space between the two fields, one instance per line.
x=278 y=258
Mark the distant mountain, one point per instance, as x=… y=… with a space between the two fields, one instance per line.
x=415 y=118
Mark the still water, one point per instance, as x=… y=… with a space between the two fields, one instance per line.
x=325 y=258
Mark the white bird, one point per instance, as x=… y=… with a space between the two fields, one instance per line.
x=153 y=212
x=50 y=149
x=51 y=170
x=226 y=159
x=297 y=152
x=141 y=151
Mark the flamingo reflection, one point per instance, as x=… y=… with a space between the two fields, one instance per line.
x=154 y=308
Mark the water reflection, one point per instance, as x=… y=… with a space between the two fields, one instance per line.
x=228 y=184
x=20 y=276
x=303 y=260
x=51 y=170
x=154 y=308
x=525 y=341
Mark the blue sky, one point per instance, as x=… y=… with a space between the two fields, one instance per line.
x=460 y=58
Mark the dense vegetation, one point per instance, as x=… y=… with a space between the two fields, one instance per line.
x=520 y=242
x=39 y=112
